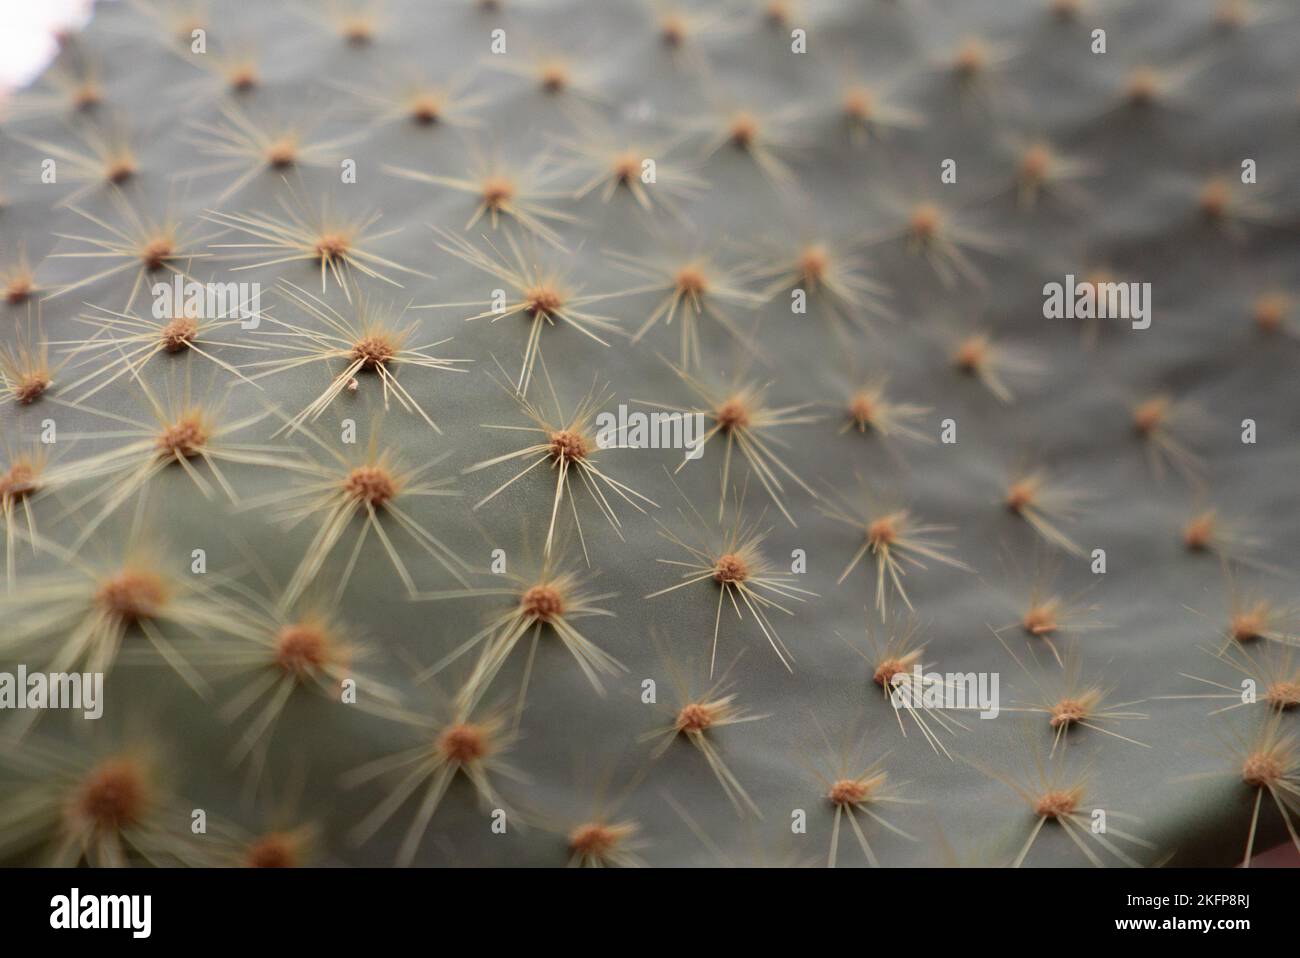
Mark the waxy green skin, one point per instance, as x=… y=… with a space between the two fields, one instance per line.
x=1139 y=221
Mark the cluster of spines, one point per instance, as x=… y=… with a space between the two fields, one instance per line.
x=190 y=434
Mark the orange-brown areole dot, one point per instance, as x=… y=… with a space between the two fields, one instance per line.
x=357 y=31
x=1057 y=803
x=301 y=648
x=19 y=289
x=131 y=595
x=692 y=281
x=887 y=669
x=1040 y=619
x=426 y=109
x=696 y=717
x=372 y=485
x=859 y=104
x=120 y=170
x=1021 y=494
x=1283 y=694
x=115 y=795
x=742 y=130
x=1250 y=624
x=1096 y=278
x=849 y=791
x=674 y=29
x=1150 y=415
x=971 y=58
x=925 y=222
x=1214 y=199
x=594 y=840
x=1198 y=534
x=17 y=483
x=31 y=386
x=1036 y=163
x=497 y=191
x=178 y=334
x=273 y=850
x=570 y=445
x=545 y=603
x=87 y=97
x=1261 y=769
x=730 y=569
x=1231 y=15
x=1068 y=711
x=733 y=414
x=626 y=166
x=1066 y=9
x=243 y=78
x=463 y=743
x=882 y=532
x=185 y=438
x=544 y=301
x=156 y=252
x=1271 y=311
x=971 y=354
x=373 y=352
x=282 y=153
x=554 y=77
x=862 y=410
x=1143 y=88
x=814 y=263
x=778 y=13
x=332 y=246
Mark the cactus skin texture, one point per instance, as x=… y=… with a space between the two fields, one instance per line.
x=776 y=171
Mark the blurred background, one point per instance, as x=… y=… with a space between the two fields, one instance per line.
x=29 y=31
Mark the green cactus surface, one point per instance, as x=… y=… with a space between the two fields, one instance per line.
x=606 y=432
